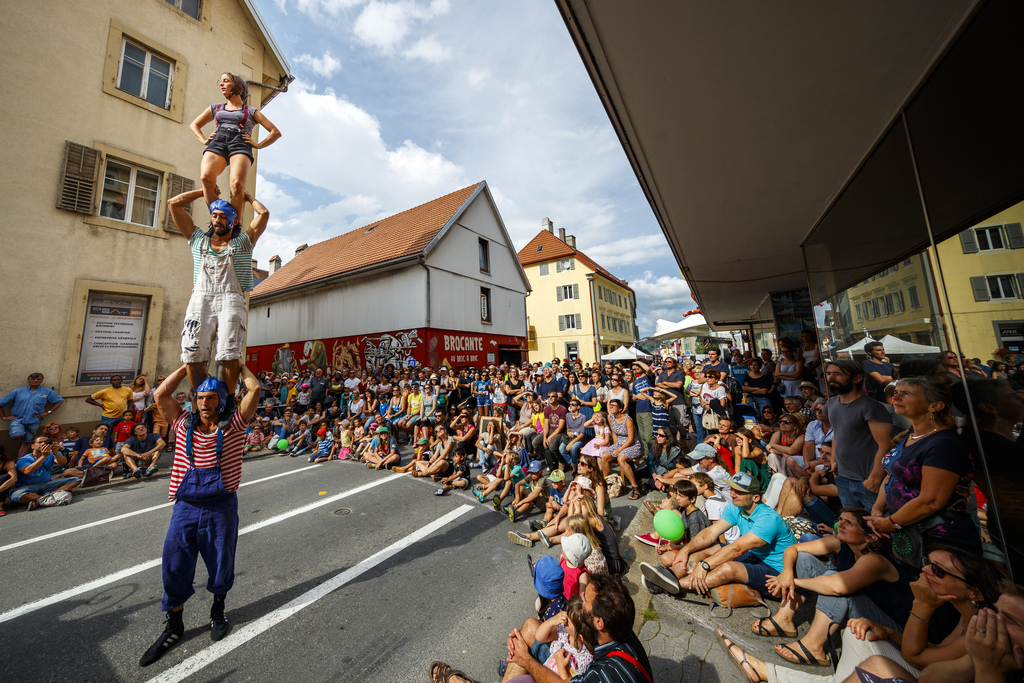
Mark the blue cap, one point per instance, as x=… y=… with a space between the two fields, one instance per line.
x=548 y=577
x=214 y=384
x=536 y=467
x=222 y=205
x=744 y=483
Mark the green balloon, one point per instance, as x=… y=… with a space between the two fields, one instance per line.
x=282 y=444
x=669 y=525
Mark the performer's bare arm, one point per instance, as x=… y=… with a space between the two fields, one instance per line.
x=163 y=395
x=177 y=205
x=259 y=223
x=251 y=401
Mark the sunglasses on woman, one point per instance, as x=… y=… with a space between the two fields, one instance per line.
x=785 y=422
x=938 y=571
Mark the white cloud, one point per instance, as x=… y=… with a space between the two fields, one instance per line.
x=271 y=195
x=665 y=297
x=429 y=49
x=630 y=251
x=385 y=25
x=325 y=65
x=319 y=8
x=477 y=76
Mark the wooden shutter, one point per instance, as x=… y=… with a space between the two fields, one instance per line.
x=600 y=292
x=579 y=321
x=79 y=172
x=980 y=286
x=572 y=264
x=1014 y=236
x=575 y=291
x=969 y=242
x=558 y=266
x=558 y=292
x=561 y=322
x=1020 y=285
x=176 y=185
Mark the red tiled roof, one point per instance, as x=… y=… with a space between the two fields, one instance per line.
x=546 y=247
x=403 y=234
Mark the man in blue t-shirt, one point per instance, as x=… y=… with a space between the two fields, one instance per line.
x=750 y=559
x=36 y=485
x=879 y=372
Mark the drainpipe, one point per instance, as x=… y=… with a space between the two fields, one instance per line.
x=593 y=317
x=426 y=333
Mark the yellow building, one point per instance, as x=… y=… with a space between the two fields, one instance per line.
x=982 y=268
x=577 y=309
x=96 y=277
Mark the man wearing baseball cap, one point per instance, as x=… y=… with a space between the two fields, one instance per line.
x=751 y=559
x=221 y=275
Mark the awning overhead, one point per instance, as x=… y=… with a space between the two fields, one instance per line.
x=743 y=121
x=622 y=353
x=690 y=326
x=894 y=346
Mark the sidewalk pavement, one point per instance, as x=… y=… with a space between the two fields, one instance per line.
x=679 y=633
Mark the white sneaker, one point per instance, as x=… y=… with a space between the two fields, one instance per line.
x=650 y=587
x=661 y=577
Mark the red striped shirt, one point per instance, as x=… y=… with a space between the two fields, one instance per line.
x=204 y=451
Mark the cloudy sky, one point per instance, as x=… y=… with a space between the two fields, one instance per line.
x=396 y=103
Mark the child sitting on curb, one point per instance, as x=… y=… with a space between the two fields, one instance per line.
x=459 y=477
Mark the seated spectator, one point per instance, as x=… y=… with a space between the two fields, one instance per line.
x=787 y=442
x=750 y=559
x=507 y=475
x=817 y=497
x=383 y=450
x=944 y=580
x=325 y=446
x=35 y=485
x=797 y=404
x=441 y=451
x=575 y=551
x=685 y=505
x=533 y=490
x=8 y=478
x=770 y=417
x=866 y=582
x=255 y=439
x=142 y=450
x=458 y=477
x=98 y=455
x=300 y=441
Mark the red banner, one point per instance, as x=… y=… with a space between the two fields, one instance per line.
x=399 y=349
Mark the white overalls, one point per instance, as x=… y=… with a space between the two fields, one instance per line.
x=216 y=310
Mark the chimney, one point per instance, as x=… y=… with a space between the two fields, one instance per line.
x=301 y=248
x=571 y=241
x=548 y=225
x=561 y=234
x=254 y=263
x=275 y=264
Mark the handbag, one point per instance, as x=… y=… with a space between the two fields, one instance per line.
x=908 y=543
x=94 y=476
x=709 y=420
x=733 y=595
x=615 y=485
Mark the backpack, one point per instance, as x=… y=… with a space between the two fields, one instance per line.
x=734 y=389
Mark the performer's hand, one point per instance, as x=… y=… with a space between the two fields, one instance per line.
x=216 y=191
x=248 y=141
x=208 y=140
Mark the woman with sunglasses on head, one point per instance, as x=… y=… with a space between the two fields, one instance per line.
x=929 y=471
x=786 y=442
x=865 y=642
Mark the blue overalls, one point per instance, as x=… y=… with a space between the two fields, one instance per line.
x=204 y=520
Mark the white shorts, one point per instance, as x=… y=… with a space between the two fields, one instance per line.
x=210 y=317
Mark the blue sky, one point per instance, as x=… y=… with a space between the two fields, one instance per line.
x=396 y=103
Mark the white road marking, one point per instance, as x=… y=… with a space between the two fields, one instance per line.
x=241 y=636
x=124 y=573
x=108 y=520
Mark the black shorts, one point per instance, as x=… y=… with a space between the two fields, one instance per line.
x=228 y=142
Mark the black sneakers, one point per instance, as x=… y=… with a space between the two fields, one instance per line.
x=173 y=630
x=219 y=626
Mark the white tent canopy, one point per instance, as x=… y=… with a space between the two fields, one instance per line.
x=894 y=346
x=691 y=326
x=622 y=353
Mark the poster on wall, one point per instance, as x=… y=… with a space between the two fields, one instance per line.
x=115 y=328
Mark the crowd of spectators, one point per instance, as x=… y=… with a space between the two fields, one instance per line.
x=848 y=483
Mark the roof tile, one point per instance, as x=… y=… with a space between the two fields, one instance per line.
x=403 y=234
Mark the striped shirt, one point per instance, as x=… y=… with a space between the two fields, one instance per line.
x=240 y=251
x=204 y=450
x=607 y=668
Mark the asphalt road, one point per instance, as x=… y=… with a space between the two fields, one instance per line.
x=376 y=594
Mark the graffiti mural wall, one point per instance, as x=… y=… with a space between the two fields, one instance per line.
x=397 y=349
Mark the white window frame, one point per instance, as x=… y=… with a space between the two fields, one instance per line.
x=998 y=280
x=567 y=291
x=484 y=254
x=176 y=4
x=988 y=231
x=130 y=197
x=145 y=73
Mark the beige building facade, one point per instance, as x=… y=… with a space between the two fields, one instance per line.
x=96 y=138
x=577 y=309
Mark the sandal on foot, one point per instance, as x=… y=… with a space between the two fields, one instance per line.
x=806 y=658
x=745 y=667
x=758 y=628
x=634 y=494
x=652 y=507
x=442 y=673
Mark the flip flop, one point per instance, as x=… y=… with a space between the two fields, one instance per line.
x=807 y=659
x=758 y=628
x=442 y=673
x=652 y=507
x=745 y=667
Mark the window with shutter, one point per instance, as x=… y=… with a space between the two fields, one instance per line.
x=968 y=243
x=176 y=185
x=915 y=302
x=558 y=266
x=1014 y=236
x=575 y=291
x=79 y=172
x=542 y=269
x=561 y=322
x=600 y=292
x=980 y=286
x=603 y=327
x=579 y=321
